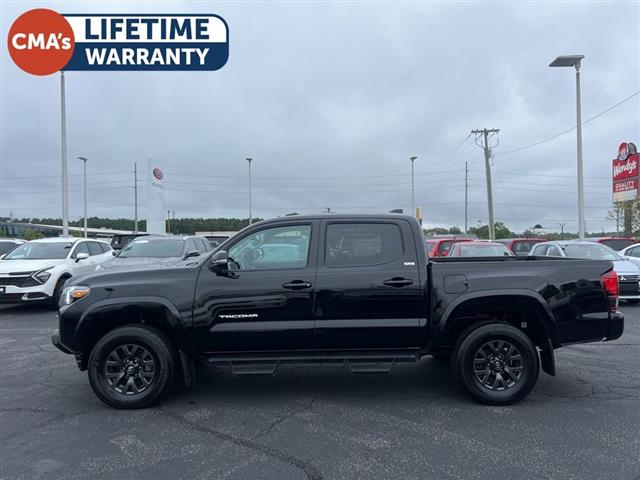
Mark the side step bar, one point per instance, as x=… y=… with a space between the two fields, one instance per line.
x=356 y=362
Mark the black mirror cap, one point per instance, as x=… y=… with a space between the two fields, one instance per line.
x=192 y=253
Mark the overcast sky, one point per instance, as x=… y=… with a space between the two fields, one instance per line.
x=331 y=100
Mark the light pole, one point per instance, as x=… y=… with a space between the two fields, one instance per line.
x=413 y=193
x=84 y=160
x=562 y=230
x=63 y=147
x=250 y=186
x=574 y=61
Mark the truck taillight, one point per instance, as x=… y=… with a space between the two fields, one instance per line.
x=611 y=288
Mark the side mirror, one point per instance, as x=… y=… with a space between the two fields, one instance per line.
x=81 y=256
x=192 y=253
x=114 y=253
x=220 y=262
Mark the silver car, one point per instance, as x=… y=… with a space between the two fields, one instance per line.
x=628 y=272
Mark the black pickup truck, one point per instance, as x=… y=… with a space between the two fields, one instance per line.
x=354 y=289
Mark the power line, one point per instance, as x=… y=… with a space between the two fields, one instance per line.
x=553 y=137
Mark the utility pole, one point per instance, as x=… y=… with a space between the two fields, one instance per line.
x=487 y=157
x=562 y=230
x=250 y=187
x=466 y=197
x=63 y=142
x=169 y=221
x=135 y=197
x=413 y=191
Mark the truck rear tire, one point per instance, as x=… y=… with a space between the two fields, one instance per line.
x=131 y=366
x=497 y=364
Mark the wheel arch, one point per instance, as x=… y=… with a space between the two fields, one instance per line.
x=523 y=309
x=109 y=314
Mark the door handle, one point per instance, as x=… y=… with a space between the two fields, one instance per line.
x=296 y=285
x=397 y=282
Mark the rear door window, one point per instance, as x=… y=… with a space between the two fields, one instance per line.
x=540 y=250
x=81 y=247
x=445 y=247
x=362 y=244
x=94 y=248
x=553 y=251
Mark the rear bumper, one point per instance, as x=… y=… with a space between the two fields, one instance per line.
x=616 y=326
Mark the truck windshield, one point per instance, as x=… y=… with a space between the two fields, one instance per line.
x=40 y=251
x=153 y=249
x=594 y=251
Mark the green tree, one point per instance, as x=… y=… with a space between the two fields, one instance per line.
x=32 y=235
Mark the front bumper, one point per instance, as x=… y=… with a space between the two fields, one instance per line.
x=23 y=297
x=55 y=340
x=37 y=293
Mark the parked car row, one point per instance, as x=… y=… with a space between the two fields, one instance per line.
x=36 y=271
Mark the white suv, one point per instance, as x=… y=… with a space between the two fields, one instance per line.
x=37 y=270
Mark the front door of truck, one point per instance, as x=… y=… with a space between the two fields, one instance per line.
x=265 y=301
x=369 y=290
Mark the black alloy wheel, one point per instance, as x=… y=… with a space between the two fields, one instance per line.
x=496 y=363
x=132 y=366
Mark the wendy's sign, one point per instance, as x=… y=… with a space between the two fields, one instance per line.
x=625 y=173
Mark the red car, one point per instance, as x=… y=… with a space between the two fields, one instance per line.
x=439 y=247
x=479 y=248
x=520 y=246
x=616 y=243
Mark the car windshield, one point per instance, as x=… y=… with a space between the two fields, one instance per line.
x=594 y=251
x=120 y=240
x=40 y=251
x=153 y=249
x=617 y=244
x=483 y=250
x=7 y=247
x=523 y=247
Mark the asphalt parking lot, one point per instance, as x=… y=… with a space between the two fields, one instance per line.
x=318 y=422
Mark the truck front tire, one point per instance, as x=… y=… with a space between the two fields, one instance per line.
x=496 y=363
x=131 y=366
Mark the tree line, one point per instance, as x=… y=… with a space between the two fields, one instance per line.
x=178 y=225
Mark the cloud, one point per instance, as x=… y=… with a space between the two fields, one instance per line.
x=331 y=100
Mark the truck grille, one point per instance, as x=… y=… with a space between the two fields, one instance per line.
x=20 y=282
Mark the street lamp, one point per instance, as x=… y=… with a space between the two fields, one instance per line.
x=84 y=160
x=63 y=158
x=413 y=197
x=562 y=230
x=250 y=215
x=574 y=61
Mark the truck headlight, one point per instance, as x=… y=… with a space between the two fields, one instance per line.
x=43 y=276
x=71 y=294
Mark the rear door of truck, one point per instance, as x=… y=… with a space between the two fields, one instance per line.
x=369 y=287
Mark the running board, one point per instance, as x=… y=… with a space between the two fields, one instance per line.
x=267 y=364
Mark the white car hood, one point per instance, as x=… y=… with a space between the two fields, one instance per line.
x=13 y=266
x=625 y=267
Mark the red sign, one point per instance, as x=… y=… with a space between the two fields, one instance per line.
x=625 y=185
x=626 y=168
